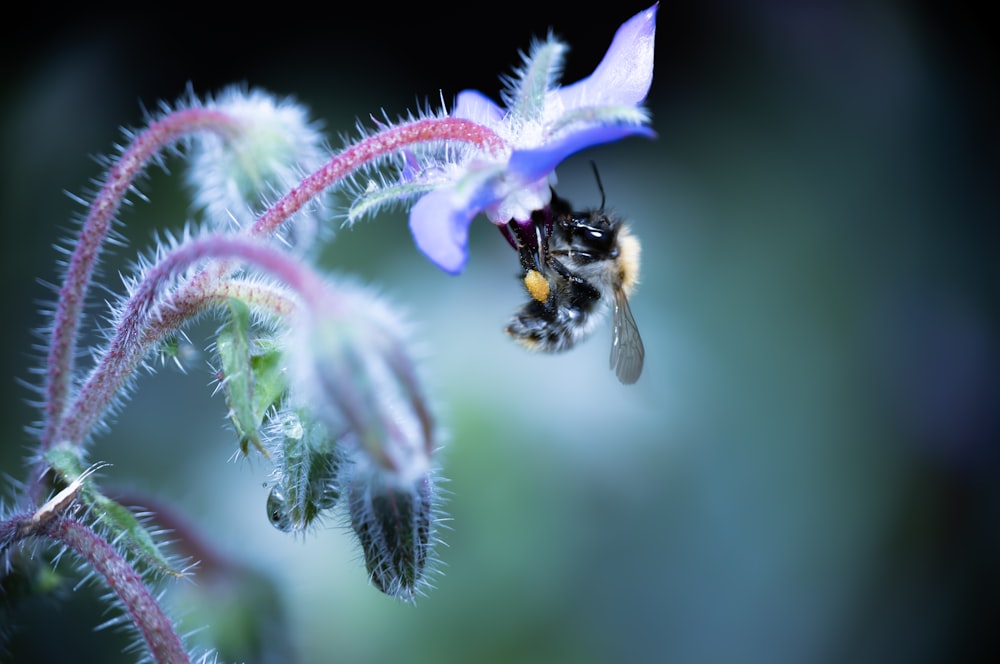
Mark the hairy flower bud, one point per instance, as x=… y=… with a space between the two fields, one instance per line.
x=234 y=178
x=394 y=521
x=351 y=368
x=307 y=470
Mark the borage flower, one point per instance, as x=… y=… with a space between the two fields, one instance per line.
x=541 y=125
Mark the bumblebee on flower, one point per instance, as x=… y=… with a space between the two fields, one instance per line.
x=318 y=374
x=503 y=165
x=540 y=125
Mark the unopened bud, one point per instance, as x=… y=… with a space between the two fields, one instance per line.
x=394 y=523
x=307 y=470
x=234 y=177
x=353 y=371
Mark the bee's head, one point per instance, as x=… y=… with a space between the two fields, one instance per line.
x=593 y=232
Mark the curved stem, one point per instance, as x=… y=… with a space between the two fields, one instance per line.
x=367 y=150
x=144 y=321
x=144 y=313
x=125 y=582
x=62 y=345
x=352 y=158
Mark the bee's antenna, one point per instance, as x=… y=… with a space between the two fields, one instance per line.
x=597 y=176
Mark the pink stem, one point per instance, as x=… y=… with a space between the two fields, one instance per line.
x=369 y=149
x=131 y=342
x=156 y=628
x=62 y=346
x=341 y=165
x=141 y=315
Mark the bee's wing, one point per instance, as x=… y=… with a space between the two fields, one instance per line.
x=627 y=351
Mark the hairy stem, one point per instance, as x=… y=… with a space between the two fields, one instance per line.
x=148 y=319
x=349 y=160
x=367 y=150
x=125 y=582
x=62 y=345
x=143 y=322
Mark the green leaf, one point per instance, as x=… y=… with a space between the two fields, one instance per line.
x=270 y=381
x=120 y=521
x=253 y=381
x=137 y=538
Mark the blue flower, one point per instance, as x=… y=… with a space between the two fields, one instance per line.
x=541 y=125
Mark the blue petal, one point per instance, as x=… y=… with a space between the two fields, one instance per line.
x=536 y=163
x=441 y=231
x=624 y=75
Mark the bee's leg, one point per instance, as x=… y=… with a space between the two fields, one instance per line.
x=556 y=265
x=508 y=233
x=544 y=234
x=580 y=288
x=527 y=246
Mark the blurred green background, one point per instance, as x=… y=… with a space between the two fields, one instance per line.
x=807 y=469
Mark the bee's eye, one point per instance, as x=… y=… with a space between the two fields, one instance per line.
x=597 y=235
x=594 y=237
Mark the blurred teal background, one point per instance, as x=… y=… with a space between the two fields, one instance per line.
x=807 y=469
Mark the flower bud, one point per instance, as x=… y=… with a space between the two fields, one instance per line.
x=351 y=369
x=393 y=521
x=307 y=470
x=234 y=178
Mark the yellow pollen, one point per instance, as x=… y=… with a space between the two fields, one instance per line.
x=537 y=285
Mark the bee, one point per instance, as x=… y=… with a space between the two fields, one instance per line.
x=574 y=264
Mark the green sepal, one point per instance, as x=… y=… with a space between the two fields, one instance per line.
x=270 y=381
x=605 y=115
x=233 y=346
x=309 y=481
x=118 y=519
x=252 y=377
x=535 y=79
x=382 y=197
